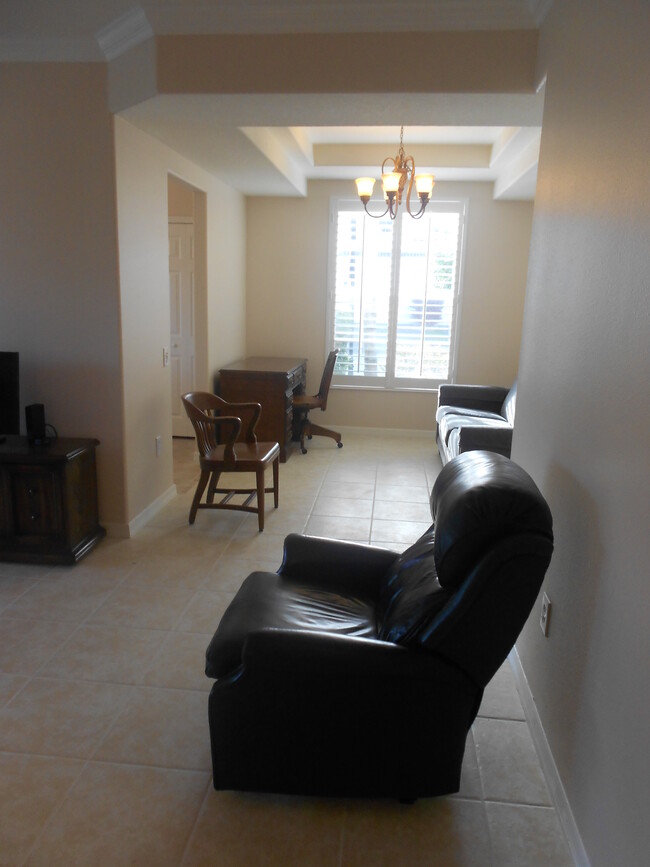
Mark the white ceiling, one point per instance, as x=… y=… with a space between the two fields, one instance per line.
x=273 y=145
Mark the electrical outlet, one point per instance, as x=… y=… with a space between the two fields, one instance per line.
x=545 y=616
x=158 y=446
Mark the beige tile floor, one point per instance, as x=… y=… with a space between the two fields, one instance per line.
x=104 y=753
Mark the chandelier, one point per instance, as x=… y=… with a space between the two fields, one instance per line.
x=395 y=182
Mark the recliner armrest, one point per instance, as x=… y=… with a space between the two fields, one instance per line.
x=358 y=569
x=486 y=438
x=484 y=397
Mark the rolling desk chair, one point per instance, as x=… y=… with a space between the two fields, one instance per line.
x=303 y=403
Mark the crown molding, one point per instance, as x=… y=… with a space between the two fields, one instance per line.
x=124 y=33
x=32 y=40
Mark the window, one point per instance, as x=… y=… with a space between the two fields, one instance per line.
x=393 y=299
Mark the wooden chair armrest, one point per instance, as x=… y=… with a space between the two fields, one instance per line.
x=250 y=428
x=232 y=421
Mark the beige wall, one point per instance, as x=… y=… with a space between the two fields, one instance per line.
x=143 y=167
x=583 y=418
x=58 y=248
x=180 y=199
x=287 y=249
x=489 y=61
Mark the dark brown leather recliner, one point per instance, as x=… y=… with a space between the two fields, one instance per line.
x=358 y=671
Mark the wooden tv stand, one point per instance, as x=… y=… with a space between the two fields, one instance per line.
x=48 y=500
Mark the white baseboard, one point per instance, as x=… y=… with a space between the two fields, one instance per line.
x=384 y=431
x=126 y=531
x=556 y=789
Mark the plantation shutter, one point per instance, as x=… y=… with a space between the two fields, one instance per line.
x=363 y=290
x=393 y=296
x=426 y=289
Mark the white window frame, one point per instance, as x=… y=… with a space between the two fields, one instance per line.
x=390 y=382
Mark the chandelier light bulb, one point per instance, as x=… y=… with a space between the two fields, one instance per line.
x=390 y=182
x=424 y=184
x=365 y=187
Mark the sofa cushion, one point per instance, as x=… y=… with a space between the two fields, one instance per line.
x=453 y=421
x=442 y=411
x=268 y=601
x=510 y=405
x=411 y=593
x=479 y=498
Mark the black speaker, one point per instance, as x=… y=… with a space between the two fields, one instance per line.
x=35 y=421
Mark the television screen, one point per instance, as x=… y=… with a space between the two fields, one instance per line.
x=9 y=394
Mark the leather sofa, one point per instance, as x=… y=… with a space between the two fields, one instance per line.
x=358 y=671
x=474 y=417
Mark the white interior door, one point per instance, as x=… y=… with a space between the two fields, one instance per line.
x=182 y=312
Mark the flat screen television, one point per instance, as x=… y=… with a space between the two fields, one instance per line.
x=9 y=394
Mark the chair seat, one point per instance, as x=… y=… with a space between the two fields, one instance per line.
x=307 y=401
x=269 y=601
x=245 y=453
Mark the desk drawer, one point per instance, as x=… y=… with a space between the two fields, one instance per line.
x=297 y=377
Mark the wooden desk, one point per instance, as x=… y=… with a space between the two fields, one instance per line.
x=271 y=382
x=48 y=500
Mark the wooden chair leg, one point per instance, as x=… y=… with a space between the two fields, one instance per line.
x=276 y=481
x=214 y=482
x=260 y=498
x=203 y=481
x=305 y=430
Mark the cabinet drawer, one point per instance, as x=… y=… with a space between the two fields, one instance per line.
x=288 y=425
x=36 y=502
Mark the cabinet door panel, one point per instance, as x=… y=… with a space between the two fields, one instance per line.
x=36 y=500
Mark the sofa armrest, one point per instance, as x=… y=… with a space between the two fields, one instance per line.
x=486 y=438
x=354 y=567
x=483 y=397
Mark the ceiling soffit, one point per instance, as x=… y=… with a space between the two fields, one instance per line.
x=479 y=71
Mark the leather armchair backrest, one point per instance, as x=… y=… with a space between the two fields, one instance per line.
x=481 y=622
x=466 y=587
x=478 y=499
x=411 y=593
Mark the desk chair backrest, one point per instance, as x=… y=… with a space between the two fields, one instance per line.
x=326 y=379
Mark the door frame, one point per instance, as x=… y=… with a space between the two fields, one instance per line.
x=199 y=219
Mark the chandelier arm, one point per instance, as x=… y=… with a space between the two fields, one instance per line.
x=408 y=197
x=423 y=201
x=377 y=216
x=419 y=213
